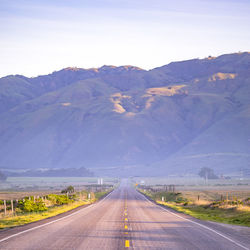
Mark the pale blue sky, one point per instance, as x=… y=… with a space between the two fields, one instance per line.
x=38 y=37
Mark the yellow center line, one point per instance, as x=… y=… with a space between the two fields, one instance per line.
x=126 y=243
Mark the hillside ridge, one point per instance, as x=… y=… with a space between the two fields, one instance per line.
x=119 y=117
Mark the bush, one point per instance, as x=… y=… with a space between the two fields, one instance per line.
x=59 y=199
x=31 y=206
x=169 y=196
x=247 y=201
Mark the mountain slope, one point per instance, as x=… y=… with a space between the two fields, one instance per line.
x=175 y=118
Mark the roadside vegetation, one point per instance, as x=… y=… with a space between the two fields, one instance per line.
x=32 y=208
x=234 y=211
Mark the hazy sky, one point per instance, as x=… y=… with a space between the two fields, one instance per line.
x=38 y=37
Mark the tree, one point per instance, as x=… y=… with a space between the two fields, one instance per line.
x=2 y=177
x=207 y=173
x=69 y=189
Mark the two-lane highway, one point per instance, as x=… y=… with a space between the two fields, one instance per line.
x=125 y=220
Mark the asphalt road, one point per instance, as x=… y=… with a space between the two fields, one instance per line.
x=125 y=219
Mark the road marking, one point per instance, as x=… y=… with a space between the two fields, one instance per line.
x=196 y=223
x=51 y=222
x=126 y=243
x=126 y=219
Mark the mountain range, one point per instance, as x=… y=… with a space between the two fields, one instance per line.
x=125 y=120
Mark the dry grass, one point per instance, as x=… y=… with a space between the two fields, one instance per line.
x=19 y=195
x=237 y=215
x=208 y=196
x=209 y=206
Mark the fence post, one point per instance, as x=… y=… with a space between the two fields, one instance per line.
x=12 y=207
x=4 y=203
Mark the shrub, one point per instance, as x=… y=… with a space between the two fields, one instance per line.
x=59 y=199
x=169 y=196
x=31 y=206
x=247 y=201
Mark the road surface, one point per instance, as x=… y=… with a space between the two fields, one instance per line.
x=125 y=220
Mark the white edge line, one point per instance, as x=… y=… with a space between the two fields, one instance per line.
x=51 y=222
x=208 y=228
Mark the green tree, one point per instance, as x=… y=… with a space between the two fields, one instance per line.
x=69 y=189
x=207 y=173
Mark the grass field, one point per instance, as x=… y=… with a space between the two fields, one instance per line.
x=19 y=187
x=226 y=201
x=238 y=215
x=25 y=218
x=195 y=182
